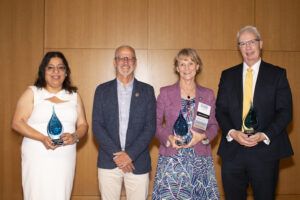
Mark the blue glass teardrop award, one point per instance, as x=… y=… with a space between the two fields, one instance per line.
x=180 y=129
x=55 y=129
x=250 y=123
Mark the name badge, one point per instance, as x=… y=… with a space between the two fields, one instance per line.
x=203 y=113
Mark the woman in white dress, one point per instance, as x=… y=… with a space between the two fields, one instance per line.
x=47 y=169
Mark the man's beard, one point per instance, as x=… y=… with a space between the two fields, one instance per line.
x=125 y=74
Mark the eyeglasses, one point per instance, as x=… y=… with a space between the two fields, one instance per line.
x=250 y=43
x=52 y=68
x=123 y=59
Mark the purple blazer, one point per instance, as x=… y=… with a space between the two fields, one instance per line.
x=168 y=107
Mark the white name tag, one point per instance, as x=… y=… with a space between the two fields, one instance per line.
x=203 y=113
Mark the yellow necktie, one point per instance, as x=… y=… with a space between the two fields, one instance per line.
x=247 y=93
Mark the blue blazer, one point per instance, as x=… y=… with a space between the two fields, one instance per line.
x=141 y=125
x=272 y=102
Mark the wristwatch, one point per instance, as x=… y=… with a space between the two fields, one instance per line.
x=76 y=136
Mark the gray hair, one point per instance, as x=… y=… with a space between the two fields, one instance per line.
x=248 y=28
x=124 y=46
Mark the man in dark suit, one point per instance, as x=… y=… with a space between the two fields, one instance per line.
x=124 y=121
x=253 y=158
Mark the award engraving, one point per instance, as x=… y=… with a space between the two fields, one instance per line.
x=55 y=129
x=180 y=129
x=250 y=123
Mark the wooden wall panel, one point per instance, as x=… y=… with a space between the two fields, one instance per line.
x=21 y=49
x=95 y=23
x=279 y=24
x=202 y=24
x=87 y=33
x=163 y=72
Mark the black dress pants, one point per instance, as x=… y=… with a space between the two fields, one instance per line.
x=248 y=168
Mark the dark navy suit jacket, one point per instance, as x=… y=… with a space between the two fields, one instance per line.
x=272 y=102
x=141 y=125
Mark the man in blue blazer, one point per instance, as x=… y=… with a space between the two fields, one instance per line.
x=124 y=121
x=253 y=159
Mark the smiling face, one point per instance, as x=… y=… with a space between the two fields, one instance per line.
x=250 y=47
x=125 y=62
x=187 y=68
x=55 y=74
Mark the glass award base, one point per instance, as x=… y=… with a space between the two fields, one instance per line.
x=249 y=132
x=56 y=142
x=250 y=123
x=181 y=143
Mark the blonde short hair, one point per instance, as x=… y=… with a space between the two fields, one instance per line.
x=188 y=52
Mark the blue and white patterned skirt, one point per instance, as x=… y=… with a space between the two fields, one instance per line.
x=185 y=176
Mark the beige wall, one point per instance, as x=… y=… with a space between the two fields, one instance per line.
x=87 y=33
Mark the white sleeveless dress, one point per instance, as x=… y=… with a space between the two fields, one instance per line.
x=49 y=174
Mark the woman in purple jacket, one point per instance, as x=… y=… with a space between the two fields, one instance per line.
x=185 y=170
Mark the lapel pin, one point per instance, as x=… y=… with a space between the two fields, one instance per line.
x=200 y=98
x=137 y=94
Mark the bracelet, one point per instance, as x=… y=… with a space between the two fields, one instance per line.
x=76 y=136
x=168 y=143
x=205 y=141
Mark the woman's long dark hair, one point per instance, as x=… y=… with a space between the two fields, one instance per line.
x=41 y=82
